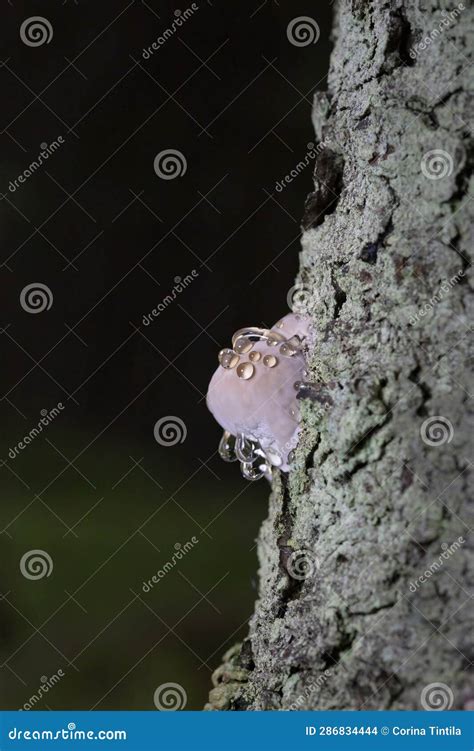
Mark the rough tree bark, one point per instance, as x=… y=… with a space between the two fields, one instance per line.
x=342 y=620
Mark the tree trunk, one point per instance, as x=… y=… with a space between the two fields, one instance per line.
x=364 y=566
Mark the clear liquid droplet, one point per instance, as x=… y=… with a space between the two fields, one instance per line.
x=243 y=345
x=227 y=447
x=245 y=449
x=287 y=350
x=250 y=472
x=245 y=370
x=295 y=341
x=270 y=361
x=228 y=358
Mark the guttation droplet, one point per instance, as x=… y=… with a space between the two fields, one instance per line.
x=245 y=370
x=228 y=358
x=243 y=345
x=250 y=472
x=270 y=361
x=272 y=341
x=245 y=449
x=287 y=350
x=297 y=385
x=295 y=341
x=227 y=447
x=255 y=356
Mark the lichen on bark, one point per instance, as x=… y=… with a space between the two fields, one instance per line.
x=371 y=503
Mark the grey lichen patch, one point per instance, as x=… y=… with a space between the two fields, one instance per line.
x=229 y=678
x=346 y=617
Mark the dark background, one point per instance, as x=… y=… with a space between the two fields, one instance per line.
x=108 y=237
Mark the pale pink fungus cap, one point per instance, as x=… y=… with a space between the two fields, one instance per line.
x=252 y=395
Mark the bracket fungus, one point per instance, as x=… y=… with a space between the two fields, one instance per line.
x=252 y=395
